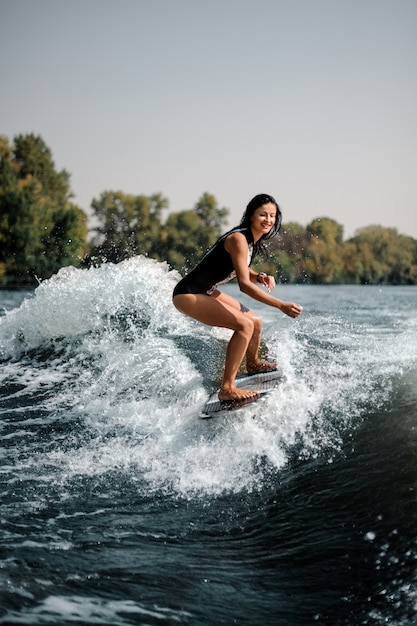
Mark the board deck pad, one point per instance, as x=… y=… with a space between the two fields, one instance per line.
x=263 y=382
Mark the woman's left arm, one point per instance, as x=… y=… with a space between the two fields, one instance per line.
x=261 y=278
x=236 y=246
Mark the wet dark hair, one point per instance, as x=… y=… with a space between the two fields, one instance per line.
x=256 y=203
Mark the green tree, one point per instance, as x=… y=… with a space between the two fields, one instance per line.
x=188 y=234
x=127 y=225
x=322 y=261
x=213 y=218
x=384 y=256
x=40 y=230
x=351 y=263
x=34 y=160
x=180 y=240
x=288 y=252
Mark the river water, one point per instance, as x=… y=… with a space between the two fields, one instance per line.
x=119 y=505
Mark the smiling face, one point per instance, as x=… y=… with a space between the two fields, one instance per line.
x=263 y=219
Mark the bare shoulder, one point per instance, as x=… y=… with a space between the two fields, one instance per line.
x=235 y=242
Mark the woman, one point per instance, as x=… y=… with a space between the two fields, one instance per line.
x=197 y=296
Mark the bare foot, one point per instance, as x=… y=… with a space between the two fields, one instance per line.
x=237 y=395
x=262 y=366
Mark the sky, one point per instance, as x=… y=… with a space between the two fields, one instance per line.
x=311 y=101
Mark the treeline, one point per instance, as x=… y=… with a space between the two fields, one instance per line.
x=42 y=230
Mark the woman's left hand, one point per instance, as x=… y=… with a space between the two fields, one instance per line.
x=268 y=281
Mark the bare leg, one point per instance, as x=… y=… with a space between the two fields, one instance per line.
x=212 y=310
x=234 y=356
x=253 y=362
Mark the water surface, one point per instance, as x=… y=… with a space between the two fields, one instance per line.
x=120 y=506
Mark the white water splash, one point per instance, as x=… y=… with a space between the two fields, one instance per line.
x=135 y=373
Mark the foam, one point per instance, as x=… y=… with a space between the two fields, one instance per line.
x=105 y=349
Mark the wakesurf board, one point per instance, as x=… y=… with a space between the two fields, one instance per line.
x=262 y=382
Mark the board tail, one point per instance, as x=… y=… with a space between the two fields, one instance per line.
x=262 y=382
x=218 y=407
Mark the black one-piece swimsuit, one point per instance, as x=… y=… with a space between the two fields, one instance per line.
x=215 y=267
